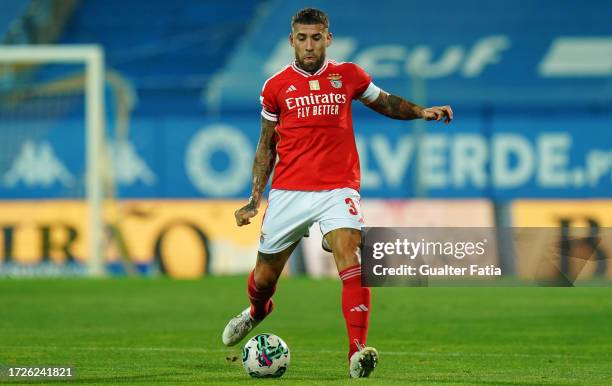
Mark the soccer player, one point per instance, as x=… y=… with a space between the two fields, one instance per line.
x=307 y=139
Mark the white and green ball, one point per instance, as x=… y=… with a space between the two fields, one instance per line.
x=265 y=356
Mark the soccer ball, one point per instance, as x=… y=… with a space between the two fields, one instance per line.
x=265 y=356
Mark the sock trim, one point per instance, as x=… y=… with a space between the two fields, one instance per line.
x=350 y=272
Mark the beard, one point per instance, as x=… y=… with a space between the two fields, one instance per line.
x=310 y=67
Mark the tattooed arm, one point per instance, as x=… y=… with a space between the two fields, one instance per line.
x=398 y=108
x=265 y=157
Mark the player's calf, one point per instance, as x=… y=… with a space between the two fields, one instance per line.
x=355 y=307
x=261 y=304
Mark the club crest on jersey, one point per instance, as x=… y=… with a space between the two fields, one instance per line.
x=314 y=84
x=335 y=80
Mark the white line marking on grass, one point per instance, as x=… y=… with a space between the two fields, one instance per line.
x=474 y=354
x=335 y=352
x=485 y=354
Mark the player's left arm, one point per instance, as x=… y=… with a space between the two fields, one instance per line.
x=396 y=107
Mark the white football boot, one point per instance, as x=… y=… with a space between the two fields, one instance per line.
x=239 y=327
x=363 y=362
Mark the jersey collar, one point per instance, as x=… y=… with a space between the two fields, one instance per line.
x=307 y=74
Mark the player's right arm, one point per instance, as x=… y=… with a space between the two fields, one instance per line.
x=265 y=158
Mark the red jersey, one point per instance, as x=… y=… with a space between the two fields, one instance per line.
x=315 y=139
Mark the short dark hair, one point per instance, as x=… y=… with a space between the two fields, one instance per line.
x=310 y=16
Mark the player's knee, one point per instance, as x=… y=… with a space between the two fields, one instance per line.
x=264 y=279
x=265 y=276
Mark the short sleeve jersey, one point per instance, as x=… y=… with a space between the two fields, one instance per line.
x=315 y=139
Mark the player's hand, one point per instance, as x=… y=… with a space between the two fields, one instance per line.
x=244 y=214
x=437 y=113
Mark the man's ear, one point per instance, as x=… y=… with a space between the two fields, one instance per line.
x=329 y=39
x=291 y=39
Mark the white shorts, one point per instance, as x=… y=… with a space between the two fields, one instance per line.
x=291 y=213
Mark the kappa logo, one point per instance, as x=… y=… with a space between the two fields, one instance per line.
x=37 y=165
x=335 y=80
x=128 y=166
x=291 y=88
x=359 y=308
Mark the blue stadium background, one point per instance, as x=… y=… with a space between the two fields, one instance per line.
x=198 y=65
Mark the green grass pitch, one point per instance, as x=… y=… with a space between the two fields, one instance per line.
x=160 y=331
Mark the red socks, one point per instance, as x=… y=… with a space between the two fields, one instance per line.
x=355 y=304
x=355 y=307
x=261 y=304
